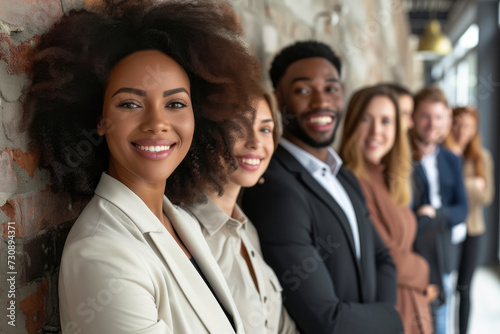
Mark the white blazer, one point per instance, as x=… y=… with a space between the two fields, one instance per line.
x=122 y=272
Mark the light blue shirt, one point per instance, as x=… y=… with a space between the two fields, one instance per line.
x=326 y=175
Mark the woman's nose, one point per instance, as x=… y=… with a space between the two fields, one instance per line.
x=155 y=120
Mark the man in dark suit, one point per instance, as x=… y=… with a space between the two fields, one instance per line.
x=315 y=231
x=440 y=200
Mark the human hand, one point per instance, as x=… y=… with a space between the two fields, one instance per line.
x=426 y=210
x=431 y=292
x=480 y=183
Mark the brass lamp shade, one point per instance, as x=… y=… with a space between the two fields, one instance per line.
x=434 y=41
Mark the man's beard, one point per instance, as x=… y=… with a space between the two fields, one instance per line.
x=293 y=126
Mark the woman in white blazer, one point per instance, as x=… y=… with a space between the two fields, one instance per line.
x=115 y=95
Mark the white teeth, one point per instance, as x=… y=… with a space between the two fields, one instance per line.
x=252 y=162
x=323 y=120
x=153 y=148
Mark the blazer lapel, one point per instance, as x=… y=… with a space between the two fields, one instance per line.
x=422 y=194
x=189 y=280
x=359 y=207
x=190 y=233
x=290 y=163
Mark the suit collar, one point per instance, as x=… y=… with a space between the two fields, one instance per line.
x=290 y=163
x=213 y=218
x=191 y=235
x=310 y=162
x=127 y=201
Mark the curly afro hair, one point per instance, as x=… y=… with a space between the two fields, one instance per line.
x=73 y=61
x=298 y=51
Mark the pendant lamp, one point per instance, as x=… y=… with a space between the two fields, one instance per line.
x=433 y=42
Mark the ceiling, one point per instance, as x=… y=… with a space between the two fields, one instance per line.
x=420 y=11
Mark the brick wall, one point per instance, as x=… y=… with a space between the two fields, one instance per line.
x=370 y=36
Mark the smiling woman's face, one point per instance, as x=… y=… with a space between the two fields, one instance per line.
x=253 y=152
x=147 y=117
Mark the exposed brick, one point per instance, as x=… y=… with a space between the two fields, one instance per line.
x=8 y=209
x=28 y=161
x=8 y=179
x=38 y=13
x=91 y=3
x=12 y=119
x=33 y=307
x=38 y=211
x=17 y=57
x=11 y=86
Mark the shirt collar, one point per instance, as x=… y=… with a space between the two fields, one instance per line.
x=432 y=155
x=310 y=162
x=213 y=218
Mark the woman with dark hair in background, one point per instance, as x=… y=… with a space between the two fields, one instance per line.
x=233 y=239
x=464 y=140
x=375 y=148
x=130 y=101
x=405 y=103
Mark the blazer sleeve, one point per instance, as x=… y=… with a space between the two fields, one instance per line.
x=386 y=271
x=455 y=210
x=107 y=294
x=477 y=196
x=284 y=221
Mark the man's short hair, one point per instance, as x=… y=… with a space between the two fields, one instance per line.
x=430 y=94
x=298 y=51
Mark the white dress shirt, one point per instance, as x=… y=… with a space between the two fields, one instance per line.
x=261 y=310
x=429 y=163
x=326 y=175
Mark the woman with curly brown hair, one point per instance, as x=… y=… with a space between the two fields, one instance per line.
x=464 y=140
x=130 y=101
x=232 y=238
x=375 y=148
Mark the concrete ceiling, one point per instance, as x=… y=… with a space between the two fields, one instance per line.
x=420 y=11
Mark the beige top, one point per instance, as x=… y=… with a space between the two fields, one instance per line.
x=478 y=198
x=261 y=310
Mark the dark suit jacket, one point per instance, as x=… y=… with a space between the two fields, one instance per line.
x=306 y=238
x=433 y=239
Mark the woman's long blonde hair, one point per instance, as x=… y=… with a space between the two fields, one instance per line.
x=397 y=161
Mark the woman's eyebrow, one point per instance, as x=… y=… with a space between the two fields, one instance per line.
x=130 y=90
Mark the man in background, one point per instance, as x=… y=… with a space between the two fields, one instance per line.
x=315 y=231
x=439 y=198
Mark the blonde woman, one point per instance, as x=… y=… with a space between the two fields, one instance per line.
x=375 y=148
x=464 y=141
